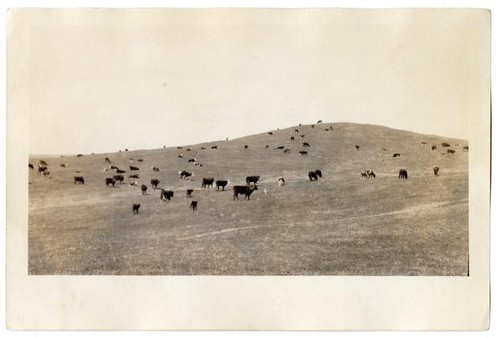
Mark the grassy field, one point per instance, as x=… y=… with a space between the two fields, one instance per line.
x=338 y=225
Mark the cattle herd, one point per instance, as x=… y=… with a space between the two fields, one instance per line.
x=220 y=184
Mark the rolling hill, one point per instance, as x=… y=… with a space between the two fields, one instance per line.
x=339 y=225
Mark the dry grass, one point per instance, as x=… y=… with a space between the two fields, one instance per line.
x=339 y=225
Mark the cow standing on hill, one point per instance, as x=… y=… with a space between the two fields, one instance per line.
x=135 y=208
x=31 y=166
x=243 y=190
x=435 y=169
x=281 y=181
x=166 y=195
x=155 y=169
x=403 y=174
x=207 y=182
x=79 y=179
x=133 y=168
x=185 y=174
x=144 y=189
x=189 y=192
x=312 y=176
x=194 y=205
x=154 y=182
x=110 y=181
x=119 y=178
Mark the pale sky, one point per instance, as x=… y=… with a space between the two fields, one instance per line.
x=104 y=80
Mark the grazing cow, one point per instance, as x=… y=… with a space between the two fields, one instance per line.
x=246 y=146
x=42 y=163
x=312 y=126
x=189 y=192
x=451 y=151
x=119 y=178
x=135 y=208
x=155 y=169
x=396 y=155
x=280 y=147
x=319 y=173
x=79 y=155
x=403 y=174
x=213 y=147
x=312 y=176
x=243 y=190
x=444 y=144
x=166 y=195
x=326 y=129
x=305 y=144
x=114 y=167
x=185 y=174
x=179 y=147
x=302 y=135
x=140 y=160
x=31 y=166
x=78 y=179
x=133 y=176
x=267 y=146
x=63 y=165
x=363 y=175
x=221 y=183
x=207 y=182
x=133 y=168
x=119 y=171
x=357 y=147
x=281 y=181
x=144 y=189
x=203 y=148
x=303 y=153
x=466 y=148
x=252 y=179
x=286 y=151
x=188 y=149
x=436 y=170
x=434 y=147
x=180 y=156
x=270 y=133
x=296 y=130
x=110 y=181
x=292 y=138
x=154 y=182
x=370 y=174
x=319 y=121
x=194 y=205
x=198 y=165
x=192 y=160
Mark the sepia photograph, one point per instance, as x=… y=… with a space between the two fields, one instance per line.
x=249 y=142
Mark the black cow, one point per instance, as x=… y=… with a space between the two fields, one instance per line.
x=305 y=144
x=303 y=153
x=267 y=146
x=114 y=167
x=41 y=170
x=270 y=133
x=194 y=205
x=312 y=126
x=313 y=176
x=292 y=138
x=144 y=189
x=252 y=179
x=154 y=182
x=119 y=171
x=243 y=190
x=31 y=166
x=188 y=149
x=357 y=147
x=78 y=179
x=46 y=173
x=296 y=130
x=110 y=181
x=280 y=147
x=363 y=175
x=133 y=168
x=433 y=147
x=246 y=146
x=213 y=147
x=185 y=174
x=444 y=144
x=370 y=174
x=286 y=151
x=107 y=160
x=140 y=160
x=451 y=151
x=319 y=121
x=207 y=182
x=221 y=183
x=189 y=192
x=119 y=178
x=155 y=169
x=403 y=174
x=319 y=173
x=396 y=155
x=135 y=208
x=192 y=160
x=179 y=147
x=466 y=148
x=166 y=195
x=133 y=176
x=303 y=135
x=62 y=165
x=435 y=169
x=203 y=148
x=42 y=163
x=79 y=155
